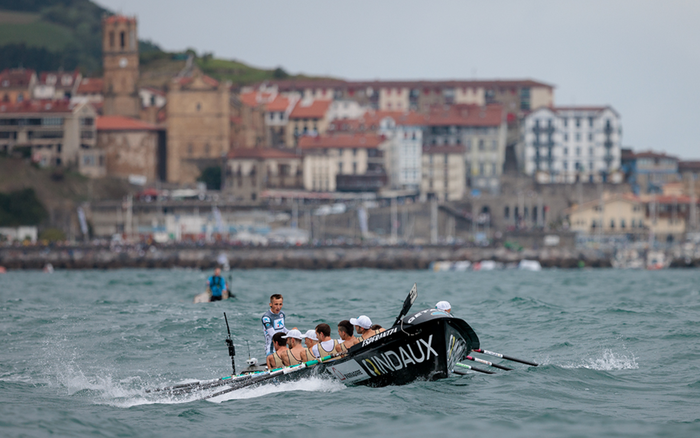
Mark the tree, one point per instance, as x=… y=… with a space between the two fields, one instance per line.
x=280 y=73
x=21 y=208
x=211 y=176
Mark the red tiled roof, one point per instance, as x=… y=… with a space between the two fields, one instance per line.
x=279 y=104
x=260 y=153
x=296 y=84
x=443 y=150
x=91 y=86
x=250 y=99
x=58 y=78
x=207 y=80
x=684 y=166
x=339 y=141
x=121 y=123
x=38 y=106
x=15 y=78
x=316 y=110
x=119 y=19
x=652 y=154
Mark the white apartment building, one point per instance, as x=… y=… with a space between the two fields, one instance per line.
x=570 y=144
x=346 y=109
x=404 y=151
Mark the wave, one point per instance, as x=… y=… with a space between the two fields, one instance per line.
x=609 y=360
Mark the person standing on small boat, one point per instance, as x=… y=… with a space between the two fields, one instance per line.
x=363 y=325
x=326 y=345
x=277 y=358
x=217 y=285
x=345 y=331
x=296 y=353
x=273 y=321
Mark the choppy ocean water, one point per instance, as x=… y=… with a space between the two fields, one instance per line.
x=619 y=354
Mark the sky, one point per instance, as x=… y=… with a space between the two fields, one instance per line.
x=641 y=57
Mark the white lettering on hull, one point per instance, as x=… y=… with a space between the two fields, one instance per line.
x=391 y=361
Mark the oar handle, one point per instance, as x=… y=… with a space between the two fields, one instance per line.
x=486 y=362
x=503 y=356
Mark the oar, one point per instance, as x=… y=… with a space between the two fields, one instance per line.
x=408 y=302
x=471 y=368
x=272 y=374
x=503 y=356
x=486 y=362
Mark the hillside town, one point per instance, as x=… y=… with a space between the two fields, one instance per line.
x=483 y=163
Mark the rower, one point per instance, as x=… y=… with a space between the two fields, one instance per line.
x=278 y=358
x=444 y=306
x=296 y=353
x=217 y=285
x=273 y=321
x=363 y=325
x=326 y=345
x=378 y=328
x=345 y=331
x=310 y=339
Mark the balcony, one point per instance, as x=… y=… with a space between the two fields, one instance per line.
x=370 y=182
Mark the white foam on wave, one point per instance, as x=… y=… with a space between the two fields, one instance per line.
x=609 y=360
x=312 y=384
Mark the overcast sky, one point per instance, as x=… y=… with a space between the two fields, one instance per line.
x=642 y=57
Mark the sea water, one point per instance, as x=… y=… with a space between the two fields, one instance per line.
x=618 y=352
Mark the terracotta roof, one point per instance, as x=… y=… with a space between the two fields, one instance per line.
x=59 y=79
x=16 y=78
x=279 y=104
x=466 y=115
x=261 y=153
x=121 y=123
x=685 y=166
x=652 y=154
x=207 y=80
x=443 y=150
x=295 y=84
x=119 y=19
x=38 y=106
x=316 y=110
x=91 y=86
x=339 y=141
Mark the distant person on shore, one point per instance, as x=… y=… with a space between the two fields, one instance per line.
x=444 y=306
x=363 y=326
x=296 y=353
x=345 y=331
x=326 y=345
x=310 y=339
x=278 y=358
x=273 y=321
x=217 y=285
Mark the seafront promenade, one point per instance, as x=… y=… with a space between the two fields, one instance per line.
x=302 y=257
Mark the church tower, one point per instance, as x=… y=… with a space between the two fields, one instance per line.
x=120 y=62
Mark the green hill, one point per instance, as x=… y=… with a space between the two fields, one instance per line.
x=66 y=34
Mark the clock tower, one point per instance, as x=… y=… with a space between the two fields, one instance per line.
x=120 y=62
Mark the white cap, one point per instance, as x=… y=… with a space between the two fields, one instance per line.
x=443 y=305
x=294 y=333
x=363 y=321
x=311 y=334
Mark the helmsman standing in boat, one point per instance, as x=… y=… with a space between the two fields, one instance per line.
x=273 y=322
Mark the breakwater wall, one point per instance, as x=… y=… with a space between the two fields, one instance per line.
x=380 y=257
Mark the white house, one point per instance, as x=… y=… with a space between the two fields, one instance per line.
x=570 y=144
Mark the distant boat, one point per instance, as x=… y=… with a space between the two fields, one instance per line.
x=48 y=268
x=529 y=265
x=487 y=265
x=459 y=266
x=656 y=260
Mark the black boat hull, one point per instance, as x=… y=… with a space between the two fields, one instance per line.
x=424 y=346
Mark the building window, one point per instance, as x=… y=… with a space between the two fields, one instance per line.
x=590 y=137
x=578 y=152
x=199 y=106
x=122 y=40
x=190 y=149
x=340 y=167
x=612 y=223
x=506 y=212
x=622 y=223
x=494 y=145
x=590 y=122
x=481 y=144
x=566 y=137
x=566 y=165
x=578 y=136
x=566 y=151
x=578 y=122
x=354 y=168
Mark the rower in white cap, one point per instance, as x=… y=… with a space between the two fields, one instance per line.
x=295 y=350
x=444 y=306
x=310 y=340
x=363 y=326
